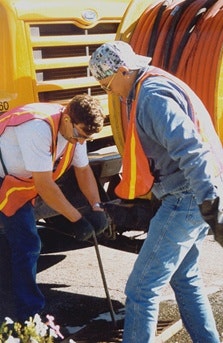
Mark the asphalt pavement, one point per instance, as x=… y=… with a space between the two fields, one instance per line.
x=70 y=278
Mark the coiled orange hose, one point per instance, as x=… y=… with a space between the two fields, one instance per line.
x=186 y=39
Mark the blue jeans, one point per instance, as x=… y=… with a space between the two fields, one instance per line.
x=25 y=245
x=170 y=253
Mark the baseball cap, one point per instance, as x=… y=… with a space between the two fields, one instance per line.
x=106 y=59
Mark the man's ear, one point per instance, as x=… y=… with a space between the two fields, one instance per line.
x=124 y=70
x=66 y=117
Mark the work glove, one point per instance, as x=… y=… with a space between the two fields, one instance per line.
x=98 y=219
x=213 y=215
x=81 y=230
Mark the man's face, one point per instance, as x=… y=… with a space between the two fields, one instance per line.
x=73 y=132
x=119 y=83
x=79 y=135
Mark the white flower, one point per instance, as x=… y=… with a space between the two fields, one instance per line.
x=33 y=340
x=33 y=326
x=12 y=339
x=8 y=321
x=37 y=318
x=53 y=333
x=40 y=327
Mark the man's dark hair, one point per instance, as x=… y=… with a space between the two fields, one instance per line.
x=86 y=110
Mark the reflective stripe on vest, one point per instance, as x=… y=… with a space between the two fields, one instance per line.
x=137 y=179
x=14 y=191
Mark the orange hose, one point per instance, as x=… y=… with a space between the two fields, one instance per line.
x=203 y=62
x=188 y=52
x=214 y=48
x=195 y=78
x=218 y=102
x=137 y=34
x=193 y=45
x=164 y=27
x=183 y=28
x=148 y=31
x=162 y=31
x=212 y=65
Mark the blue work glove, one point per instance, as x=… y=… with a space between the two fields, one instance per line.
x=81 y=230
x=98 y=219
x=213 y=215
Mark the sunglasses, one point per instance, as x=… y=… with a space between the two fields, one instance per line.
x=108 y=87
x=78 y=136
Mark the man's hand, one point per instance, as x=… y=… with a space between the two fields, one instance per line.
x=81 y=230
x=213 y=215
x=98 y=219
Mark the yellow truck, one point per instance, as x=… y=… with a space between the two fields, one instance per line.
x=44 y=54
x=45 y=47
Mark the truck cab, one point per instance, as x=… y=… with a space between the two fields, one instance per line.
x=45 y=49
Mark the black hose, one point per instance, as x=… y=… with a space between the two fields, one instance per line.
x=177 y=13
x=154 y=33
x=176 y=60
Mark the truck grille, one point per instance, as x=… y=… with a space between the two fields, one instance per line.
x=61 y=52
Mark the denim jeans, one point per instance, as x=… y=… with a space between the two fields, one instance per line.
x=25 y=245
x=170 y=253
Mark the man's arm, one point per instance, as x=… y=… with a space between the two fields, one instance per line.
x=88 y=185
x=53 y=196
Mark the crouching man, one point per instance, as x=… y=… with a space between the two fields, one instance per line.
x=38 y=143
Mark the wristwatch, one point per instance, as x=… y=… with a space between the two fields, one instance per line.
x=96 y=205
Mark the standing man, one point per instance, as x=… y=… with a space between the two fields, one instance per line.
x=38 y=143
x=171 y=148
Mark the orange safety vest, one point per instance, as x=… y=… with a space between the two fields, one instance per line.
x=14 y=191
x=137 y=179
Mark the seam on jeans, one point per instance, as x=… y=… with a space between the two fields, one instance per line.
x=193 y=218
x=189 y=215
x=156 y=245
x=149 y=261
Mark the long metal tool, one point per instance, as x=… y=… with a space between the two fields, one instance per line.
x=104 y=280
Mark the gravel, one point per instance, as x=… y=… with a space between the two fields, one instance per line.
x=212 y=270
x=71 y=281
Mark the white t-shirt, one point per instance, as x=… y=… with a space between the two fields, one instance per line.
x=26 y=148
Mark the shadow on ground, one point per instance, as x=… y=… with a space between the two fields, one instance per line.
x=68 y=308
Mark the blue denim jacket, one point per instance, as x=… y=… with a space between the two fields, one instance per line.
x=178 y=158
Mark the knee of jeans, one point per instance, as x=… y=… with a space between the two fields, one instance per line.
x=36 y=245
x=32 y=246
x=176 y=281
x=127 y=288
x=172 y=283
x=131 y=288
